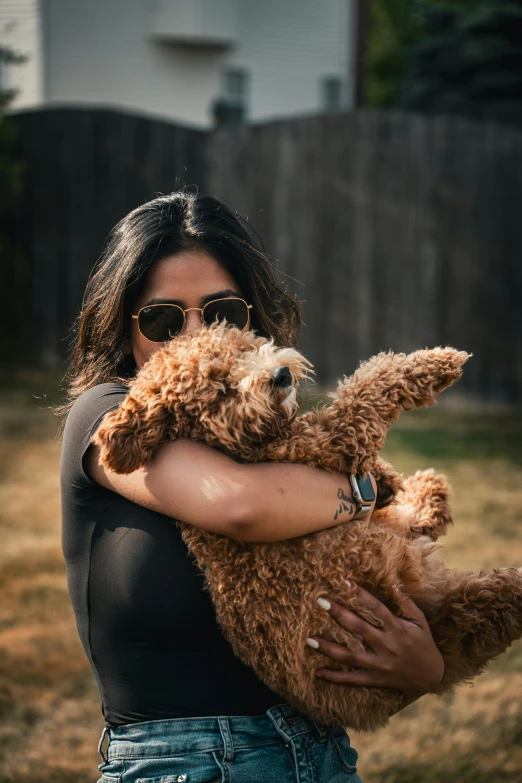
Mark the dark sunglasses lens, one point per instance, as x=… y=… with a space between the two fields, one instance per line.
x=160 y=322
x=234 y=311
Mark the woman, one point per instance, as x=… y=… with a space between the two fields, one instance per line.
x=179 y=705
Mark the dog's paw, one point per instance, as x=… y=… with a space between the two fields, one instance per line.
x=122 y=450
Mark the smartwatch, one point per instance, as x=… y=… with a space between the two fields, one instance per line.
x=363 y=494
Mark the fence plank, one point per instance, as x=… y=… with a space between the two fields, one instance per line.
x=399 y=231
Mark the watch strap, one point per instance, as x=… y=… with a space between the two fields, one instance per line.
x=363 y=509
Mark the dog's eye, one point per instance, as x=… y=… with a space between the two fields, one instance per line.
x=227 y=393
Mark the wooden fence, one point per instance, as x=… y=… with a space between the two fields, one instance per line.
x=398 y=231
x=85 y=170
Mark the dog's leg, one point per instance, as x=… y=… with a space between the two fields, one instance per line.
x=475 y=618
x=129 y=436
x=421 y=507
x=370 y=400
x=310 y=444
x=347 y=435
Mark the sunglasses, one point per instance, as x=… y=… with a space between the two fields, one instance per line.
x=159 y=323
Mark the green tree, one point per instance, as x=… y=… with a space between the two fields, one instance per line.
x=395 y=29
x=11 y=170
x=468 y=62
x=12 y=262
x=392 y=31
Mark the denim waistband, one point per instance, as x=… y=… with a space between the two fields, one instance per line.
x=176 y=735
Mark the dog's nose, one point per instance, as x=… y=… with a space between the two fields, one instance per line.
x=283 y=378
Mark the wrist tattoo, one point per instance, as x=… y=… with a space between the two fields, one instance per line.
x=345 y=504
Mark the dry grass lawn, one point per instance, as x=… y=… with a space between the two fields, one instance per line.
x=49 y=707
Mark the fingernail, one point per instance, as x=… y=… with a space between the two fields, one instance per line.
x=348 y=582
x=318 y=674
x=312 y=643
x=324 y=604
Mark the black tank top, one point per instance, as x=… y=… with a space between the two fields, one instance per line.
x=147 y=625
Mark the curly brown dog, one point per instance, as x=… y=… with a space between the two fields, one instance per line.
x=218 y=386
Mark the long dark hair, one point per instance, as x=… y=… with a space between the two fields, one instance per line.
x=162 y=227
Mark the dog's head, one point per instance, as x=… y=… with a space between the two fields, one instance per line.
x=226 y=386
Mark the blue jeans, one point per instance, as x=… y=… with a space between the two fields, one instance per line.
x=281 y=746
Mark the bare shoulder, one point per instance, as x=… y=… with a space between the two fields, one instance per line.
x=94 y=469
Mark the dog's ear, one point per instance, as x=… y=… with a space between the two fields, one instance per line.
x=129 y=436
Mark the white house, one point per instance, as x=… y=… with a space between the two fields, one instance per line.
x=186 y=60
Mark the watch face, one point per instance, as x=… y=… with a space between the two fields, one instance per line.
x=366 y=488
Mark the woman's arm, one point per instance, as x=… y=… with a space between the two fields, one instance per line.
x=400 y=655
x=194 y=483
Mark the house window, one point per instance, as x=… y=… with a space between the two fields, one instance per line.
x=231 y=106
x=331 y=94
x=236 y=84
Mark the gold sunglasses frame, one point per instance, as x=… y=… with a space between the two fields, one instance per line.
x=183 y=311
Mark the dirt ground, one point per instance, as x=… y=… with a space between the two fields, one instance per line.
x=50 y=716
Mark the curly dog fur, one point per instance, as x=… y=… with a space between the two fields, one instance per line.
x=218 y=386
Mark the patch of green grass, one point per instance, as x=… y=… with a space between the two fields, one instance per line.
x=453 y=444
x=438 y=433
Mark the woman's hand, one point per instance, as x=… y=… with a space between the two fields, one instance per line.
x=400 y=655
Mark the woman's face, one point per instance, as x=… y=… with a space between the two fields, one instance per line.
x=189 y=279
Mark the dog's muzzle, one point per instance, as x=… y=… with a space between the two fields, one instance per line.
x=283 y=378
